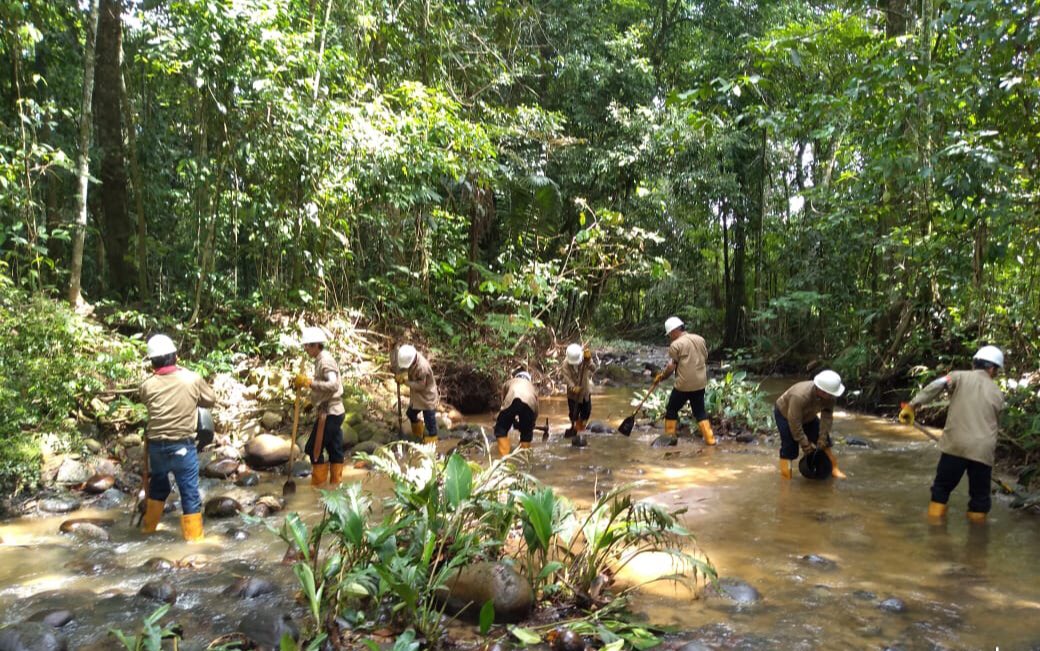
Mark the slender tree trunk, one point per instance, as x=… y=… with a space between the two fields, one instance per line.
x=143 y=290
x=75 y=295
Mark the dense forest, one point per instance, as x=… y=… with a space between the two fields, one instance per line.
x=842 y=182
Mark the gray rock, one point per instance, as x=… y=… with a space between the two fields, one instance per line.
x=220 y=469
x=54 y=618
x=746 y=437
x=73 y=472
x=93 y=445
x=367 y=446
x=266 y=451
x=478 y=583
x=247 y=479
x=59 y=504
x=88 y=531
x=266 y=627
x=739 y=591
x=131 y=441
x=271 y=419
x=236 y=533
x=98 y=484
x=599 y=427
x=273 y=503
x=107 y=467
x=819 y=561
x=664 y=442
x=857 y=442
x=302 y=468
x=694 y=646
x=110 y=499
x=157 y=564
x=567 y=640
x=222 y=507
x=864 y=595
x=249 y=588
x=159 y=591
x=31 y=636
x=893 y=605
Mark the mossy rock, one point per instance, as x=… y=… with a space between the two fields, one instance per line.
x=352 y=418
x=367 y=446
x=350 y=436
x=352 y=405
x=367 y=431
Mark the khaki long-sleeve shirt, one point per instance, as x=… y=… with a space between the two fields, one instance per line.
x=571 y=377
x=690 y=354
x=422 y=385
x=327 y=386
x=172 y=399
x=800 y=405
x=522 y=389
x=973 y=419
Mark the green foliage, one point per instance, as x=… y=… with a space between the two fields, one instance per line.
x=1020 y=420
x=151 y=635
x=738 y=401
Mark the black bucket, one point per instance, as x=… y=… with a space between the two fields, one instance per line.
x=204 y=429
x=815 y=465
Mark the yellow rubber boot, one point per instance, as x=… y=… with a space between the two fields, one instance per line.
x=936 y=510
x=785 y=468
x=335 y=474
x=153 y=511
x=705 y=427
x=579 y=426
x=671 y=428
x=525 y=445
x=319 y=474
x=503 y=446
x=976 y=518
x=191 y=527
x=835 y=471
x=418 y=428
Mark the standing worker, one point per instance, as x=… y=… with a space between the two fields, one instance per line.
x=970 y=435
x=689 y=362
x=173 y=396
x=577 y=375
x=804 y=416
x=415 y=371
x=327 y=396
x=520 y=410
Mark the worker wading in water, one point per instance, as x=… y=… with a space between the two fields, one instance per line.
x=970 y=435
x=689 y=363
x=519 y=410
x=804 y=416
x=327 y=397
x=173 y=396
x=415 y=371
x=577 y=375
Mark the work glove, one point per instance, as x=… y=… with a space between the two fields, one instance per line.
x=301 y=381
x=587 y=354
x=906 y=414
x=574 y=391
x=402 y=378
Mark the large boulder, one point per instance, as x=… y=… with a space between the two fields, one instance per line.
x=249 y=588
x=478 y=583
x=266 y=451
x=159 y=591
x=98 y=484
x=222 y=507
x=220 y=468
x=31 y=636
x=55 y=618
x=72 y=471
x=271 y=419
x=59 y=504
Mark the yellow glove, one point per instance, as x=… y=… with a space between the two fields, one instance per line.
x=301 y=381
x=587 y=354
x=401 y=378
x=906 y=414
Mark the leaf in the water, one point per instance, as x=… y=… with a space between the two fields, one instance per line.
x=525 y=635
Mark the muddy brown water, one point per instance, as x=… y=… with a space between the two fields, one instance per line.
x=823 y=556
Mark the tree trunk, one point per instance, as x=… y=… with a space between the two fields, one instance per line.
x=895 y=18
x=83 y=160
x=143 y=290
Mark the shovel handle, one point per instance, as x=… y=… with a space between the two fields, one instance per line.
x=649 y=391
x=923 y=430
x=295 y=429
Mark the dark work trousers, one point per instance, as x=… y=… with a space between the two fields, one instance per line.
x=517 y=415
x=788 y=446
x=429 y=416
x=579 y=409
x=332 y=440
x=948 y=474
x=678 y=399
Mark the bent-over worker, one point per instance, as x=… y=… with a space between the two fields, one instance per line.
x=519 y=410
x=415 y=371
x=327 y=396
x=804 y=416
x=688 y=355
x=577 y=371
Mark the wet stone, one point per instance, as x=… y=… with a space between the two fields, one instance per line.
x=31 y=636
x=221 y=469
x=746 y=437
x=93 y=445
x=247 y=479
x=272 y=502
x=893 y=605
x=694 y=646
x=599 y=427
x=266 y=451
x=265 y=627
x=158 y=564
x=857 y=442
x=739 y=591
x=98 y=484
x=819 y=561
x=73 y=472
x=864 y=595
x=88 y=531
x=249 y=588
x=664 y=442
x=236 y=533
x=110 y=499
x=70 y=526
x=53 y=618
x=222 y=507
x=567 y=640
x=159 y=591
x=59 y=504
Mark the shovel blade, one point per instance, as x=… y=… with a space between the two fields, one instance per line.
x=627 y=425
x=289 y=488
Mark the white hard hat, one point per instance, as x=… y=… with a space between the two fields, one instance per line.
x=160 y=345
x=312 y=335
x=523 y=375
x=990 y=354
x=406 y=356
x=671 y=323
x=829 y=382
x=574 y=354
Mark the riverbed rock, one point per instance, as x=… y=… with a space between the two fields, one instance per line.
x=367 y=446
x=110 y=499
x=236 y=533
x=158 y=564
x=739 y=591
x=159 y=591
x=85 y=530
x=220 y=468
x=746 y=437
x=222 y=507
x=819 y=561
x=31 y=636
x=579 y=441
x=247 y=479
x=271 y=419
x=266 y=451
x=59 y=504
x=273 y=503
x=694 y=646
x=857 y=442
x=599 y=427
x=72 y=471
x=54 y=618
x=265 y=627
x=567 y=640
x=131 y=441
x=249 y=588
x=893 y=605
x=98 y=484
x=664 y=442
x=93 y=445
x=478 y=583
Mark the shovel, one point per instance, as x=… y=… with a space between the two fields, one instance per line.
x=627 y=424
x=289 y=487
x=1000 y=484
x=144 y=488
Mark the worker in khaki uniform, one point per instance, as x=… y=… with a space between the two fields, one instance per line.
x=327 y=396
x=796 y=418
x=970 y=435
x=519 y=410
x=415 y=371
x=577 y=373
x=173 y=396
x=688 y=355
